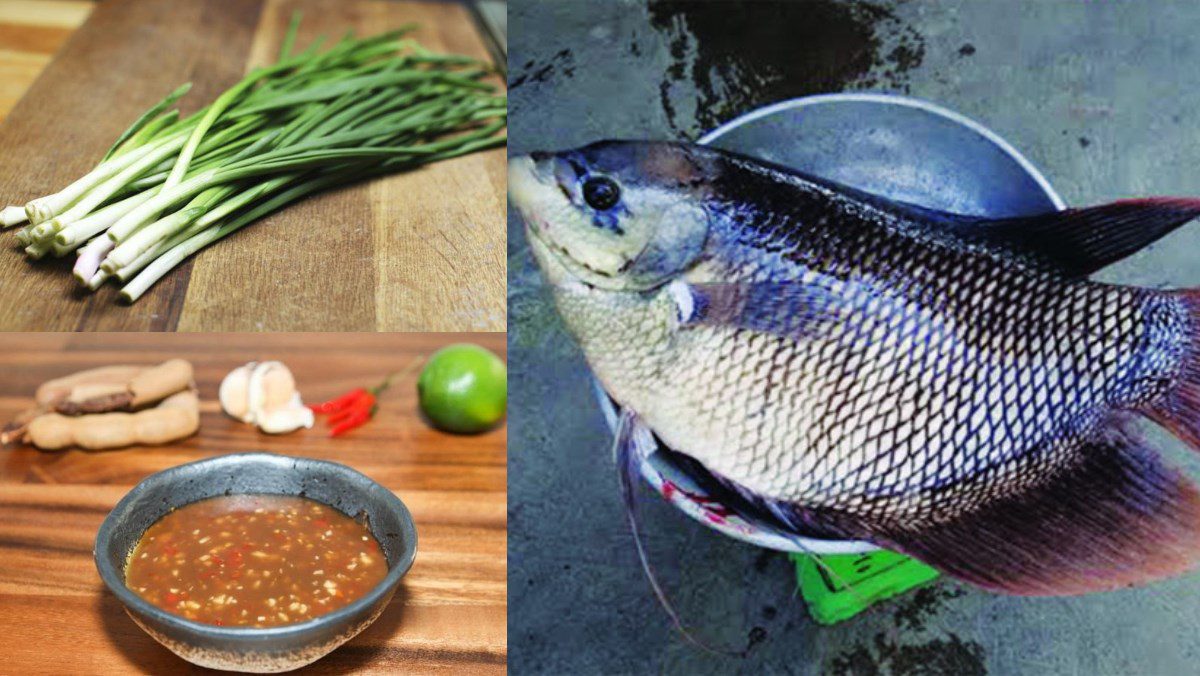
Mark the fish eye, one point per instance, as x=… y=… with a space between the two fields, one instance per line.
x=601 y=193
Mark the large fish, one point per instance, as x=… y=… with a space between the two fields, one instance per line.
x=845 y=366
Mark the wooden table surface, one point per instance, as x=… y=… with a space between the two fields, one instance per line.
x=57 y=617
x=423 y=250
x=31 y=32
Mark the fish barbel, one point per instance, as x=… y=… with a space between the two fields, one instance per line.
x=845 y=366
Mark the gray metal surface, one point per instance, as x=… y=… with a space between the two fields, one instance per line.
x=1102 y=97
x=338 y=486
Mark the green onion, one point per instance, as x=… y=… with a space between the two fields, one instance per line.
x=150 y=117
x=171 y=185
x=11 y=215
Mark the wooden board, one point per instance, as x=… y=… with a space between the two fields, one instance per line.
x=30 y=34
x=419 y=251
x=57 y=617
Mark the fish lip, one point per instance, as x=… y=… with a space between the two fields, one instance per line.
x=522 y=179
x=552 y=262
x=546 y=248
x=539 y=165
x=523 y=176
x=552 y=250
x=520 y=167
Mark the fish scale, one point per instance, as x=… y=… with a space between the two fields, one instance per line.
x=843 y=436
x=841 y=365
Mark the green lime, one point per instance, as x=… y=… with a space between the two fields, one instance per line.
x=463 y=389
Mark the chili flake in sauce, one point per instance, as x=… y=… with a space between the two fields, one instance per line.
x=254 y=561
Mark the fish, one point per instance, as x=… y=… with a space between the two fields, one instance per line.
x=840 y=365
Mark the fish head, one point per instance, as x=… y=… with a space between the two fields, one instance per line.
x=615 y=215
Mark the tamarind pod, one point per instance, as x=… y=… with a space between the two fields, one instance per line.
x=160 y=381
x=174 y=418
x=148 y=386
x=14 y=430
x=53 y=391
x=95 y=398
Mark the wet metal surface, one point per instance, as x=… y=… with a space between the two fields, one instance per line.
x=1101 y=98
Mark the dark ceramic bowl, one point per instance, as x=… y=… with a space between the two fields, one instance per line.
x=270 y=649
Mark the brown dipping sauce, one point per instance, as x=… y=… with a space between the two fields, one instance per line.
x=254 y=561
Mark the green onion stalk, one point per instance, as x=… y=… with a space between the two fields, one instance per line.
x=172 y=185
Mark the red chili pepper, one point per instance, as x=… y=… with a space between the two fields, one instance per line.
x=339 y=403
x=357 y=406
x=358 y=418
x=365 y=403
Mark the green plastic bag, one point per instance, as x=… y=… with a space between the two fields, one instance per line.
x=874 y=576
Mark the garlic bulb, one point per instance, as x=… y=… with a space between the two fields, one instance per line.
x=264 y=394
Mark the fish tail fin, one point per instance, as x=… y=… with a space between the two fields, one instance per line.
x=1180 y=411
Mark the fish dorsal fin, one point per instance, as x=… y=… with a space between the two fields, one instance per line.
x=1113 y=517
x=1076 y=241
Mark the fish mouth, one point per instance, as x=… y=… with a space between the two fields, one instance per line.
x=529 y=177
x=524 y=180
x=558 y=263
x=538 y=171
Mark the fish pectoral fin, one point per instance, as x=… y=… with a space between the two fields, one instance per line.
x=1082 y=241
x=1115 y=517
x=788 y=309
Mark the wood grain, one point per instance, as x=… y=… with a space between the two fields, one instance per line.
x=56 y=616
x=30 y=33
x=67 y=14
x=417 y=251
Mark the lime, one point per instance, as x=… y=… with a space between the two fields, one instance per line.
x=463 y=389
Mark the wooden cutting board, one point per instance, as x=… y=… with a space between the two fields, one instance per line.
x=57 y=617
x=419 y=251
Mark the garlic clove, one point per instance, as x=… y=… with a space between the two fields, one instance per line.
x=271 y=386
x=234 y=393
x=279 y=386
x=285 y=419
x=254 y=391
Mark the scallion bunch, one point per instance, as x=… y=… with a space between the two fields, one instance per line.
x=172 y=185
